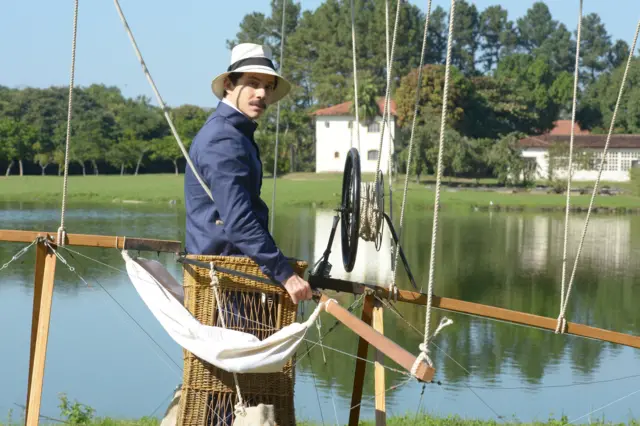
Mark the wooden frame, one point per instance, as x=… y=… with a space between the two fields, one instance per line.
x=478 y=309
x=88 y=240
x=44 y=278
x=372 y=314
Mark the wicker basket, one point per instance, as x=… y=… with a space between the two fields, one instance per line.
x=208 y=393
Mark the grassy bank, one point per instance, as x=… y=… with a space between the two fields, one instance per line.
x=422 y=420
x=309 y=189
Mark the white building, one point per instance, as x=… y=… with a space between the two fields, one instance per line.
x=336 y=134
x=622 y=154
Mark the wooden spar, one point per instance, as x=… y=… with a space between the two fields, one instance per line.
x=379 y=341
x=361 y=365
x=43 y=296
x=478 y=309
x=43 y=293
x=87 y=240
x=379 y=381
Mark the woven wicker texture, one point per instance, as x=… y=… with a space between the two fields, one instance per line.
x=208 y=393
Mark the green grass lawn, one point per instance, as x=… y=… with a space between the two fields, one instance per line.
x=304 y=189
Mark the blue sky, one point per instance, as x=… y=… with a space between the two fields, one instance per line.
x=182 y=42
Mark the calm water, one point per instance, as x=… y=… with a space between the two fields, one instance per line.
x=100 y=356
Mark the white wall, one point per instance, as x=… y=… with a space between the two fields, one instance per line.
x=334 y=138
x=371 y=266
x=616 y=168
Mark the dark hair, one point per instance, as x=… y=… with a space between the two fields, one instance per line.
x=233 y=77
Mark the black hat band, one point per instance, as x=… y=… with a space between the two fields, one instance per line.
x=251 y=61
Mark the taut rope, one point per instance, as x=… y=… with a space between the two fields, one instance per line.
x=275 y=152
x=563 y=306
x=62 y=233
x=561 y=320
x=411 y=138
x=425 y=345
x=160 y=101
x=355 y=75
x=215 y=282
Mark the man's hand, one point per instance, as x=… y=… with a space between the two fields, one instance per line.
x=298 y=288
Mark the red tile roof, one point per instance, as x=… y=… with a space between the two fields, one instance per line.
x=582 y=138
x=582 y=141
x=345 y=107
x=563 y=127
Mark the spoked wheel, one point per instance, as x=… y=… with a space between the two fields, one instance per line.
x=350 y=211
x=380 y=208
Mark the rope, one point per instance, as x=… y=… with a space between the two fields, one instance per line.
x=240 y=407
x=73 y=270
x=370 y=213
x=561 y=321
x=563 y=307
x=62 y=233
x=386 y=12
x=411 y=138
x=18 y=255
x=275 y=154
x=436 y=208
x=355 y=74
x=387 y=94
x=160 y=101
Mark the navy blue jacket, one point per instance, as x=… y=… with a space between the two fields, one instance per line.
x=228 y=160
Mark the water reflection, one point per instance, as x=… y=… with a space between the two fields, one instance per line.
x=506 y=260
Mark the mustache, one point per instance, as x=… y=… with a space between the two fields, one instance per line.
x=259 y=103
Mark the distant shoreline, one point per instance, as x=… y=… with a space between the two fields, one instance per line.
x=317 y=190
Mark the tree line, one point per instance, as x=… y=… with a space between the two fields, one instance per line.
x=508 y=79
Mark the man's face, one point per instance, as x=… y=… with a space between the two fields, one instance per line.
x=251 y=93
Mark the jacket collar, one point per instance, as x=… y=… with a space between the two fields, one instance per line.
x=237 y=119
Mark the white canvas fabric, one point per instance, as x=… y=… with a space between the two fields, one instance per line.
x=230 y=350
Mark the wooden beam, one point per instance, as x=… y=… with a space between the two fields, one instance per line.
x=380 y=386
x=45 y=274
x=41 y=255
x=88 y=240
x=478 y=309
x=391 y=349
x=361 y=364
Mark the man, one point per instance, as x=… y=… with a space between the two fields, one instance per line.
x=227 y=158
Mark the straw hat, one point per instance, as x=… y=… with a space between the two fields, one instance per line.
x=249 y=57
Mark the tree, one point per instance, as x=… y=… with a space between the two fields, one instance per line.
x=506 y=162
x=430 y=98
x=535 y=27
x=367 y=99
x=599 y=100
x=17 y=141
x=497 y=36
x=534 y=83
x=466 y=31
x=595 y=46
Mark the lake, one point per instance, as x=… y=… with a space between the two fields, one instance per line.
x=99 y=354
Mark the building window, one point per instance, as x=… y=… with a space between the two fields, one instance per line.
x=610 y=162
x=627 y=158
x=326 y=124
x=372 y=154
x=373 y=127
x=336 y=154
x=350 y=125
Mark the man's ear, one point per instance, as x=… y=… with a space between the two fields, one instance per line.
x=228 y=86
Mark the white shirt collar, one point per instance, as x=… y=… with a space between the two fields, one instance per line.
x=228 y=102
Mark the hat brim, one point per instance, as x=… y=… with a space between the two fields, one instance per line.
x=282 y=88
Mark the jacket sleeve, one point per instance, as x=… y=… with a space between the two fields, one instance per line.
x=225 y=167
